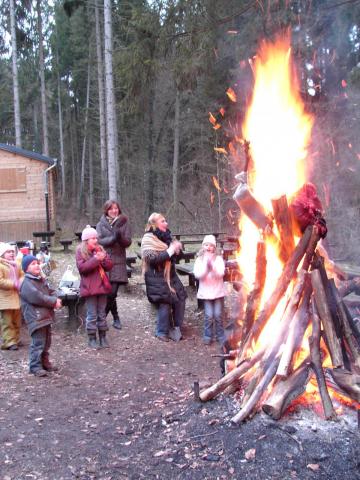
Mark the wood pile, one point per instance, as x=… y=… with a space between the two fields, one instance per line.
x=272 y=376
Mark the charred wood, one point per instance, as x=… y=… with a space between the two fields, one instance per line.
x=331 y=339
x=283 y=221
x=314 y=344
x=344 y=382
x=285 y=391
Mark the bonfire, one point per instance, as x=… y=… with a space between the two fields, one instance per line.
x=295 y=335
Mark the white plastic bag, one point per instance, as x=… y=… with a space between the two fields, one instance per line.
x=69 y=279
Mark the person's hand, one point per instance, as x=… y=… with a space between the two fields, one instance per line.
x=100 y=255
x=177 y=246
x=58 y=304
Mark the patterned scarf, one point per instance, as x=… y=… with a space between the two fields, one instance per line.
x=150 y=243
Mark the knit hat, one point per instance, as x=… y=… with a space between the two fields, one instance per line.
x=26 y=260
x=5 y=247
x=88 y=232
x=209 y=239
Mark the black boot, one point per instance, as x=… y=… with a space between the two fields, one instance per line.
x=117 y=323
x=102 y=338
x=92 y=340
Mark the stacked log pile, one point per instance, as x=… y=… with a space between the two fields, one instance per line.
x=274 y=375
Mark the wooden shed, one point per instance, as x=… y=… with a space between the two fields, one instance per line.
x=27 y=195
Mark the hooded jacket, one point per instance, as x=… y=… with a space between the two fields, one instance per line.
x=91 y=281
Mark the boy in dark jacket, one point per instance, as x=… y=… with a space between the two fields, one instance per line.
x=37 y=304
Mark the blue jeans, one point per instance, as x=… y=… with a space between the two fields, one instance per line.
x=213 y=310
x=96 y=313
x=39 y=348
x=164 y=313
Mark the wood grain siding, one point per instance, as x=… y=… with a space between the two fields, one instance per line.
x=23 y=211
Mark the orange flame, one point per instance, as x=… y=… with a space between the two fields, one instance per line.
x=216 y=183
x=231 y=94
x=278 y=129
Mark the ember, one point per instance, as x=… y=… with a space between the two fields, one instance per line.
x=295 y=323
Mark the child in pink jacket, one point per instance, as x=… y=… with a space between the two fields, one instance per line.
x=209 y=269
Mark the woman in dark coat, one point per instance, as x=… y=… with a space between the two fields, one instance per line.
x=163 y=286
x=115 y=236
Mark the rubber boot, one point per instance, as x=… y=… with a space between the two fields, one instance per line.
x=92 y=340
x=102 y=338
x=117 y=323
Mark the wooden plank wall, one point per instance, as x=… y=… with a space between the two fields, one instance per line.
x=24 y=212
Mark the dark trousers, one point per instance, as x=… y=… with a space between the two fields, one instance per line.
x=169 y=316
x=111 y=300
x=39 y=348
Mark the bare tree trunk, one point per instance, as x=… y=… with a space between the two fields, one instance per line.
x=17 y=118
x=45 y=139
x=111 y=132
x=91 y=184
x=175 y=167
x=102 y=121
x=83 y=154
x=61 y=140
x=150 y=172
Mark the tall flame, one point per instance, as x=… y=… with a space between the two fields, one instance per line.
x=279 y=130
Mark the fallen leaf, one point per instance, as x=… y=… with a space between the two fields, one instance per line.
x=250 y=454
x=313 y=466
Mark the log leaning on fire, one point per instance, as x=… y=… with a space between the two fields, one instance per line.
x=353 y=346
x=322 y=306
x=254 y=298
x=345 y=382
x=296 y=332
x=269 y=365
x=314 y=344
x=283 y=282
x=285 y=391
x=283 y=221
x=229 y=378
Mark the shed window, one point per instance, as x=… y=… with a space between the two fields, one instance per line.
x=12 y=180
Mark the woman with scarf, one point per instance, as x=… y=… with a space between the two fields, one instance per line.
x=115 y=236
x=11 y=277
x=163 y=286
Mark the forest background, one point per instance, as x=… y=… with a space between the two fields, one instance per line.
x=120 y=93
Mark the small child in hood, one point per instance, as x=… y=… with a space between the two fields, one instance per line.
x=10 y=279
x=38 y=302
x=209 y=269
x=93 y=262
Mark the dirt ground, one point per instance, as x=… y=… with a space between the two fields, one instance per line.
x=128 y=412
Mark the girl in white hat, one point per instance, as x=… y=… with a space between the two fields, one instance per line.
x=209 y=269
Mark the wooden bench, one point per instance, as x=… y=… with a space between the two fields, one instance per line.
x=187 y=269
x=130 y=259
x=66 y=243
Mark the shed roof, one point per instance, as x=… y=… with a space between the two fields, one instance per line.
x=27 y=153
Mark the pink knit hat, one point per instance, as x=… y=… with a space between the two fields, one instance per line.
x=209 y=239
x=88 y=232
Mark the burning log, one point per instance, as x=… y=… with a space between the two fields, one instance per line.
x=297 y=330
x=285 y=391
x=351 y=341
x=254 y=298
x=331 y=339
x=230 y=377
x=281 y=287
x=270 y=368
x=314 y=344
x=344 y=381
x=283 y=221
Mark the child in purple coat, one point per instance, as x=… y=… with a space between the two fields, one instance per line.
x=93 y=262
